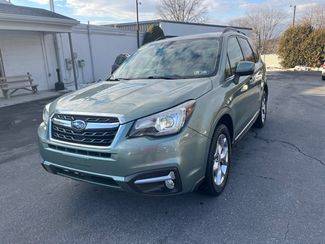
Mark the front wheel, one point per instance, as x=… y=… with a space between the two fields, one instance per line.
x=218 y=161
x=260 y=121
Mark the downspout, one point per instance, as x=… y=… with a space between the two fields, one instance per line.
x=57 y=56
x=91 y=53
x=73 y=62
x=56 y=48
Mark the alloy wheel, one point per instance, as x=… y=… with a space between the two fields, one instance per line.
x=263 y=109
x=221 y=160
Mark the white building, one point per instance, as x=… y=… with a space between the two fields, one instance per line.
x=27 y=44
x=37 y=41
x=176 y=28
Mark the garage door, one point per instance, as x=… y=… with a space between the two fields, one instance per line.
x=21 y=53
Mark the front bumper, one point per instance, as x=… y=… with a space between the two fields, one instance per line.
x=143 y=165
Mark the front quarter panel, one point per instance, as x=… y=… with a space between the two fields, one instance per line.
x=208 y=109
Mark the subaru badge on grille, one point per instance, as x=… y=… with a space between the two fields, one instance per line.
x=78 y=124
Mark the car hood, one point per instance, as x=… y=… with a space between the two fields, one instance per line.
x=131 y=99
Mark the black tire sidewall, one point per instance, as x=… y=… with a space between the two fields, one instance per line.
x=259 y=122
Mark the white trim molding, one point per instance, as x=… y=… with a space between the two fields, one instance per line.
x=35 y=23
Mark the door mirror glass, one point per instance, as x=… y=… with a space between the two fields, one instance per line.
x=245 y=68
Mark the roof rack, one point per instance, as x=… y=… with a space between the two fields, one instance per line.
x=232 y=29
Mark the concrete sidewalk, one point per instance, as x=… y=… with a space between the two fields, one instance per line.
x=24 y=98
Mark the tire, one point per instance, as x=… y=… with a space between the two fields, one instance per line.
x=218 y=164
x=261 y=119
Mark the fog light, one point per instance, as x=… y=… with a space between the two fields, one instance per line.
x=170 y=184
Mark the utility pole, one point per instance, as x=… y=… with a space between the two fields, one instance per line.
x=294 y=14
x=138 y=26
x=52 y=5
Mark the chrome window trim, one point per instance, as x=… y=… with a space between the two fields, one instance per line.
x=230 y=78
x=58 y=142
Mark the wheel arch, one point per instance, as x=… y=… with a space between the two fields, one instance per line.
x=227 y=121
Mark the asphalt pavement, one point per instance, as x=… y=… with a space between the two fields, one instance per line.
x=275 y=193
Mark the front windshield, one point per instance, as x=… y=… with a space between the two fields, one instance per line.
x=172 y=59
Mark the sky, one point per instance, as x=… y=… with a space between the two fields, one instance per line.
x=118 y=11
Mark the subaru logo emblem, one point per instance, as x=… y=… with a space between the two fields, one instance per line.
x=78 y=124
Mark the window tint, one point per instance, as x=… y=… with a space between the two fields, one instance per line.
x=234 y=53
x=247 y=50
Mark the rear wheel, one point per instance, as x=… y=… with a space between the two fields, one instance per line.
x=260 y=121
x=218 y=162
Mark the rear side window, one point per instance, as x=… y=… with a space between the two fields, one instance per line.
x=234 y=53
x=247 y=50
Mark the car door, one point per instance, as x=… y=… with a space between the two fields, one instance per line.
x=255 y=81
x=240 y=105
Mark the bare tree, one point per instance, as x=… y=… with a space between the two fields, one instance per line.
x=183 y=10
x=266 y=24
x=315 y=16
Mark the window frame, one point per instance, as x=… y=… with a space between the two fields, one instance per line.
x=250 y=46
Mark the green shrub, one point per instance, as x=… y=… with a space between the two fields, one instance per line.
x=313 y=48
x=301 y=45
x=153 y=33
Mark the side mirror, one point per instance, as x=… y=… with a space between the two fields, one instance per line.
x=245 y=68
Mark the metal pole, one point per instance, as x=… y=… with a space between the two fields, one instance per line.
x=91 y=53
x=73 y=62
x=294 y=15
x=56 y=45
x=52 y=5
x=138 y=27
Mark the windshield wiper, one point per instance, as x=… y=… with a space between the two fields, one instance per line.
x=163 y=77
x=117 y=79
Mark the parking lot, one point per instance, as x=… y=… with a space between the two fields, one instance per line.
x=276 y=189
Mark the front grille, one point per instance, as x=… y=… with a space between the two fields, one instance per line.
x=86 y=118
x=93 y=137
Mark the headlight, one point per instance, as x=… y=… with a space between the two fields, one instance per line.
x=168 y=122
x=46 y=113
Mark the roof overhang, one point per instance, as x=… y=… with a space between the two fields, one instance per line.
x=35 y=23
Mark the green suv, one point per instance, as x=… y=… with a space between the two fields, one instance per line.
x=165 y=121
